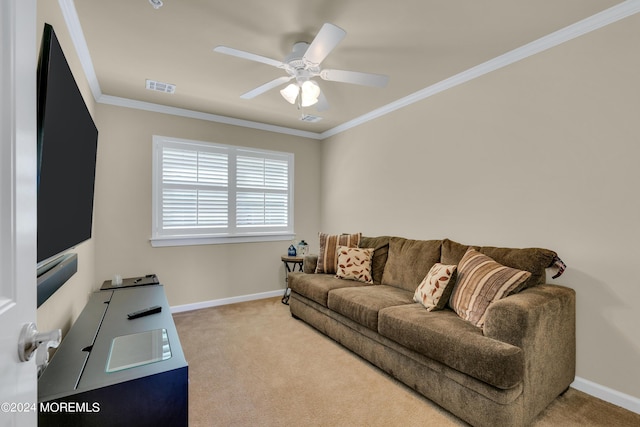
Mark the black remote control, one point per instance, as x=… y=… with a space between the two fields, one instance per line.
x=145 y=312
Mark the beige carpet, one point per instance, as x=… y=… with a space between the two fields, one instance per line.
x=252 y=364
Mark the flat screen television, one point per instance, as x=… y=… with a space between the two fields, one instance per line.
x=67 y=145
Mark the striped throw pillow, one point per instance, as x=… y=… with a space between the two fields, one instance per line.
x=481 y=281
x=328 y=257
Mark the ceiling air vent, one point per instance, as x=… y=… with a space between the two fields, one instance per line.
x=160 y=87
x=309 y=118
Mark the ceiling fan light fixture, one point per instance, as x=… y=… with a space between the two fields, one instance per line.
x=304 y=64
x=157 y=4
x=309 y=93
x=307 y=102
x=290 y=93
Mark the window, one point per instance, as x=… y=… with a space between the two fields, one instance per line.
x=212 y=193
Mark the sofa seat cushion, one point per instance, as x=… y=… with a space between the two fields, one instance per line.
x=316 y=287
x=452 y=341
x=363 y=303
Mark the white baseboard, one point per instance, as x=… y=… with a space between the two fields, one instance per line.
x=226 y=301
x=601 y=392
x=607 y=394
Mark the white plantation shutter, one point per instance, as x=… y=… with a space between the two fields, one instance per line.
x=220 y=193
x=194 y=189
x=262 y=191
x=186 y=208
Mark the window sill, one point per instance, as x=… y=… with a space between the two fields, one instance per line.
x=161 y=242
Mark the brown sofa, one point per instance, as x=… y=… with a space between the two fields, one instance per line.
x=501 y=374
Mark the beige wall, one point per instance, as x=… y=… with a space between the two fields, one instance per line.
x=61 y=310
x=191 y=274
x=542 y=153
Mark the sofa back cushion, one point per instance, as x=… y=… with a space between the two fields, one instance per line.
x=409 y=261
x=380 y=245
x=452 y=252
x=533 y=260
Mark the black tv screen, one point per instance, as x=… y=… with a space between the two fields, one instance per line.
x=67 y=144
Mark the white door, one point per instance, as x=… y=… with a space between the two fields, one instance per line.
x=18 y=53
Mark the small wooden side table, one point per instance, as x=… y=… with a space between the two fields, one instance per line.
x=290 y=263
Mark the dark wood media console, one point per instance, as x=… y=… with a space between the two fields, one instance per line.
x=110 y=370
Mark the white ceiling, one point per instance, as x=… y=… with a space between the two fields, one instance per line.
x=419 y=44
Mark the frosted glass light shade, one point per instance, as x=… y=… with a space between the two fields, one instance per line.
x=290 y=93
x=310 y=93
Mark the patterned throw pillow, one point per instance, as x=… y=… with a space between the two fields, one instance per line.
x=481 y=281
x=435 y=288
x=355 y=264
x=327 y=259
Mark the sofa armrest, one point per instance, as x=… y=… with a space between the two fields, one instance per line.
x=309 y=263
x=541 y=321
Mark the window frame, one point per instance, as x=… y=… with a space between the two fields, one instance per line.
x=161 y=237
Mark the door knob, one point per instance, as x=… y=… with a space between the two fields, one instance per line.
x=30 y=339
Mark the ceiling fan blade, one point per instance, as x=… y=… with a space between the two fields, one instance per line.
x=323 y=104
x=325 y=41
x=247 y=55
x=355 y=77
x=265 y=87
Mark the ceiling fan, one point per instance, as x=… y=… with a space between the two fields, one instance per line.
x=303 y=64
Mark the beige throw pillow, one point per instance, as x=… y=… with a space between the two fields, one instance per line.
x=481 y=281
x=327 y=259
x=355 y=264
x=435 y=288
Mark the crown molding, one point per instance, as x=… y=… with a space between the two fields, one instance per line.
x=594 y=22
x=70 y=15
x=599 y=20
x=77 y=36
x=182 y=112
